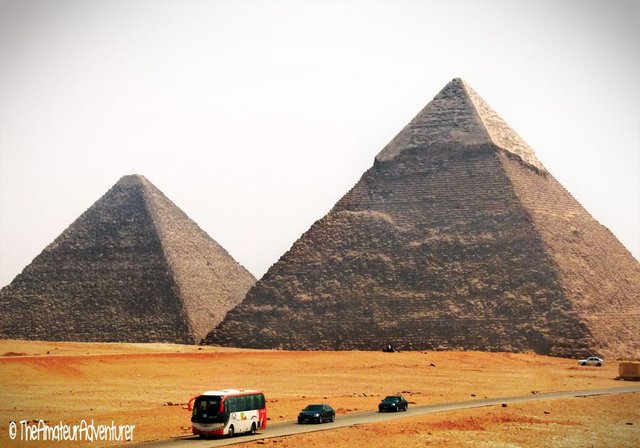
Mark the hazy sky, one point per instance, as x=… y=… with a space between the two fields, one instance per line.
x=256 y=117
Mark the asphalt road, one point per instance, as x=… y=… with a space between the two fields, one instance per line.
x=360 y=418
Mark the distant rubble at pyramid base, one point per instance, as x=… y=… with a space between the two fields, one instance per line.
x=482 y=333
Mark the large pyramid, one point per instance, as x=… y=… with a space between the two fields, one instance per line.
x=132 y=268
x=456 y=238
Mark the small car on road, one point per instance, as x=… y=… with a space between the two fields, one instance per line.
x=591 y=361
x=317 y=413
x=393 y=403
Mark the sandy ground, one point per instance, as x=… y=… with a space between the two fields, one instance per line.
x=147 y=385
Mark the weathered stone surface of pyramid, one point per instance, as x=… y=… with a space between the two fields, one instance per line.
x=456 y=238
x=132 y=268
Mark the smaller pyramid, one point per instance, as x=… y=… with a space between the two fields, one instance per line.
x=132 y=268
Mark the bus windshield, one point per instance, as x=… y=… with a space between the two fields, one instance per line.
x=206 y=409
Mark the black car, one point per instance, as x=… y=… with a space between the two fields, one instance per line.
x=393 y=403
x=317 y=413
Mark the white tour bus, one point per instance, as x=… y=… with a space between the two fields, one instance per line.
x=227 y=412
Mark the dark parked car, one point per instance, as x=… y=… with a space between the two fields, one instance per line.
x=317 y=413
x=393 y=403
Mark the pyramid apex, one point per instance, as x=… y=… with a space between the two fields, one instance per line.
x=129 y=178
x=135 y=180
x=458 y=117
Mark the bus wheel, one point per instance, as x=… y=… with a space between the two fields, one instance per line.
x=231 y=431
x=253 y=428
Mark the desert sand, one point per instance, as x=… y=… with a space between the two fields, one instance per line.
x=148 y=385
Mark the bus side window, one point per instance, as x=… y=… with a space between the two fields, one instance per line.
x=230 y=404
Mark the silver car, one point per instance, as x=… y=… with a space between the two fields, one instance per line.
x=592 y=361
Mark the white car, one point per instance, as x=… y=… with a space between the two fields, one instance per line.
x=591 y=361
